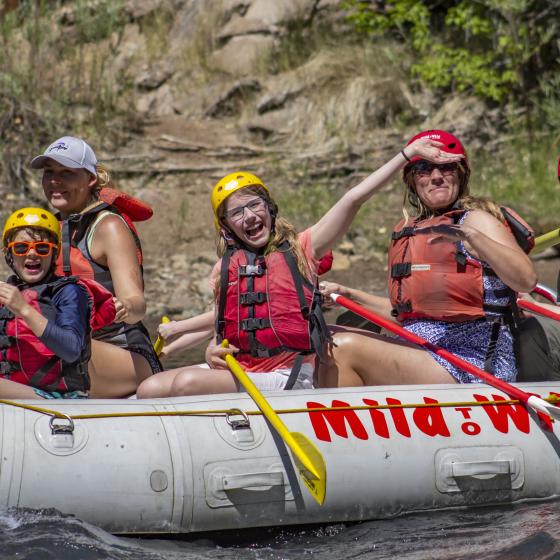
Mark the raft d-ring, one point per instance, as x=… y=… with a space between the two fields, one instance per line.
x=61 y=429
x=242 y=424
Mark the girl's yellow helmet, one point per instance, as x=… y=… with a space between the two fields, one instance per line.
x=230 y=184
x=34 y=218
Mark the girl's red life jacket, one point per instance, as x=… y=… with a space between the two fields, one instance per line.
x=25 y=359
x=266 y=306
x=438 y=281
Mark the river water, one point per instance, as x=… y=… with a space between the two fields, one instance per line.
x=527 y=531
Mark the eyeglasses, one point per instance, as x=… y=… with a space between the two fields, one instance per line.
x=424 y=168
x=22 y=248
x=237 y=214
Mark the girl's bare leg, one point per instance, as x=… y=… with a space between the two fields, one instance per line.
x=191 y=380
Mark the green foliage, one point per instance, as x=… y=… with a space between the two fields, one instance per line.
x=493 y=48
x=98 y=20
x=521 y=174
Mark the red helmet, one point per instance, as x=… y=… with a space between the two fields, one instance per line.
x=451 y=144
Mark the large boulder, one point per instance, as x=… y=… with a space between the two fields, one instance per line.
x=240 y=55
x=280 y=12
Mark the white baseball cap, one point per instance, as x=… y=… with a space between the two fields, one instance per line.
x=68 y=151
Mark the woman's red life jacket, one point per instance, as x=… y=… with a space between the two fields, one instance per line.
x=438 y=281
x=266 y=306
x=25 y=359
x=75 y=259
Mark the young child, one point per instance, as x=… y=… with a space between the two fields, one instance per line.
x=45 y=320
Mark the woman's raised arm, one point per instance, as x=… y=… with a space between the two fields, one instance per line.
x=328 y=231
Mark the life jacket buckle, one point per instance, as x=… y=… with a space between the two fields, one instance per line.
x=400 y=270
x=6 y=368
x=261 y=353
x=252 y=269
x=250 y=298
x=5 y=341
x=255 y=324
x=405 y=307
x=5 y=313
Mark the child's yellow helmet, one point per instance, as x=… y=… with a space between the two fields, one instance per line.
x=34 y=218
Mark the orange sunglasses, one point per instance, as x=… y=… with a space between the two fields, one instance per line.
x=22 y=248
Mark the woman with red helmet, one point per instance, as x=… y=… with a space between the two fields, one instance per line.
x=266 y=302
x=454 y=268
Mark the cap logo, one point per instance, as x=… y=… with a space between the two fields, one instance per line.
x=59 y=146
x=31 y=219
x=231 y=185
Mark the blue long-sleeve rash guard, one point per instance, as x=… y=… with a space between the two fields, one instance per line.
x=66 y=335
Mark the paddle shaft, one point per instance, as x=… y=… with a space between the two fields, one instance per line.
x=510 y=390
x=269 y=413
x=547 y=240
x=536 y=308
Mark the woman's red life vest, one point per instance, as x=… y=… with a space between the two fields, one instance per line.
x=438 y=281
x=75 y=259
x=25 y=359
x=266 y=306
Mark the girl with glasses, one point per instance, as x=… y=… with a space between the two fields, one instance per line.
x=455 y=265
x=266 y=303
x=45 y=320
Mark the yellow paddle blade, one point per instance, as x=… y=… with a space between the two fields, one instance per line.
x=159 y=343
x=308 y=458
x=317 y=485
x=547 y=240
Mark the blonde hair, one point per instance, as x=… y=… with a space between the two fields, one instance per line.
x=103 y=180
x=283 y=231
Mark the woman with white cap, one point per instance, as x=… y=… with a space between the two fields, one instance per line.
x=99 y=241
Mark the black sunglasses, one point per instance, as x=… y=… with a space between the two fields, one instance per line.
x=424 y=168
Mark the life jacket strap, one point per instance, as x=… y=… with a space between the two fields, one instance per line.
x=220 y=323
x=66 y=240
x=491 y=350
x=37 y=377
x=461 y=260
x=404 y=232
x=294 y=374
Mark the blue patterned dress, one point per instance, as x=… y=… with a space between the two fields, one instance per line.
x=469 y=340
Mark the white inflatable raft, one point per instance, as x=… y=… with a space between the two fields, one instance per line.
x=197 y=464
